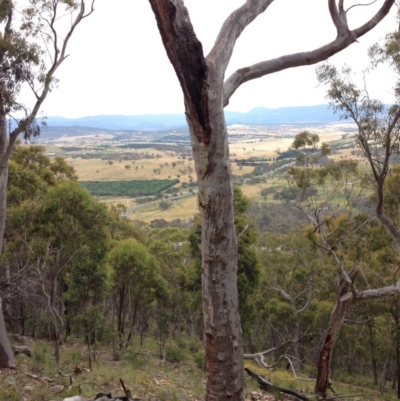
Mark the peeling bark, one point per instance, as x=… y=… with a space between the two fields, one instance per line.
x=325 y=354
x=342 y=306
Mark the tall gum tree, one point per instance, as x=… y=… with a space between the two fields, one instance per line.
x=33 y=45
x=206 y=93
x=379 y=139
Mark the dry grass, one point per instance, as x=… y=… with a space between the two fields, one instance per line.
x=183 y=209
x=144 y=374
x=259 y=146
x=99 y=170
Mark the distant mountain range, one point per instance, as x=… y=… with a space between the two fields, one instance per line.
x=320 y=114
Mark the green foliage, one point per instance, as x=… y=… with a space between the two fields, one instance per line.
x=164 y=205
x=30 y=170
x=240 y=202
x=134 y=266
x=307 y=144
x=174 y=353
x=305 y=139
x=60 y=231
x=199 y=359
x=392 y=195
x=128 y=188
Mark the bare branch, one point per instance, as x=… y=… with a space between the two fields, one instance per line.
x=303 y=58
x=373 y=294
x=283 y=293
x=267 y=386
x=360 y=5
x=289 y=359
x=258 y=357
x=309 y=297
x=58 y=58
x=232 y=28
x=91 y=10
x=339 y=22
x=349 y=321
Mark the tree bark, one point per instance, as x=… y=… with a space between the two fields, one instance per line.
x=398 y=362
x=384 y=373
x=325 y=354
x=342 y=306
x=6 y=354
x=203 y=86
x=205 y=94
x=223 y=337
x=373 y=357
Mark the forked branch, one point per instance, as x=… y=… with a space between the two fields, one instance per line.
x=232 y=28
x=344 y=38
x=258 y=357
x=57 y=59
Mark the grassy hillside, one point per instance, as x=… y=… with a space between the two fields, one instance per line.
x=179 y=378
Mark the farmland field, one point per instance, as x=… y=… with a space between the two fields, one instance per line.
x=127 y=188
x=119 y=163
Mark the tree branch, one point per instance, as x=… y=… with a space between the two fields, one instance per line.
x=258 y=357
x=340 y=24
x=230 y=31
x=373 y=294
x=284 y=294
x=343 y=40
x=185 y=52
x=58 y=58
x=360 y=5
x=267 y=386
x=309 y=297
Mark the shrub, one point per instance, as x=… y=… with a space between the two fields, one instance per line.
x=174 y=353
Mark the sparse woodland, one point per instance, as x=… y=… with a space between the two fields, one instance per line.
x=83 y=288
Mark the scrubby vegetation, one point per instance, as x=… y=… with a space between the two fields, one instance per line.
x=130 y=295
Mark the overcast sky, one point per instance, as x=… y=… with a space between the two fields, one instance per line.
x=117 y=63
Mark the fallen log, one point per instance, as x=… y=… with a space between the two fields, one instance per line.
x=22 y=349
x=40 y=378
x=267 y=386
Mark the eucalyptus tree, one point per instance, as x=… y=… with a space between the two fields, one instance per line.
x=291 y=265
x=137 y=282
x=33 y=45
x=31 y=174
x=170 y=247
x=206 y=93
x=378 y=137
x=338 y=231
x=65 y=237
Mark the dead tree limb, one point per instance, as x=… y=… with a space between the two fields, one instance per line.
x=267 y=386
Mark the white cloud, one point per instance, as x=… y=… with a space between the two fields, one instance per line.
x=119 y=66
